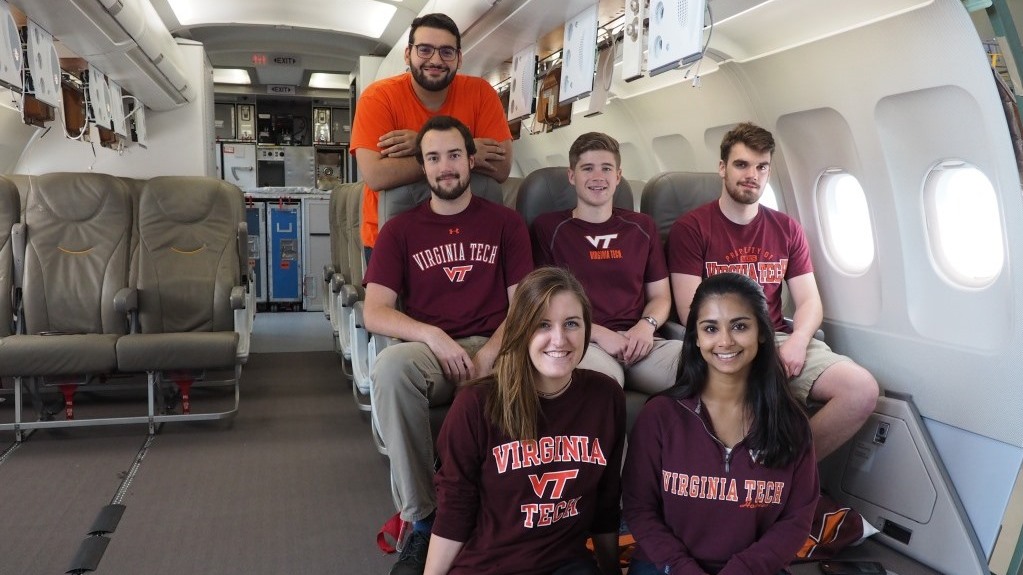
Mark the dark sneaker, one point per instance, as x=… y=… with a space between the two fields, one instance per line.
x=412 y=560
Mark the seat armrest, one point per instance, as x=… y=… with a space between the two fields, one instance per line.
x=19 y=238
x=243 y=251
x=358 y=315
x=337 y=281
x=350 y=294
x=238 y=297
x=126 y=300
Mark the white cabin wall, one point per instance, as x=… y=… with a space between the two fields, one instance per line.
x=179 y=140
x=16 y=133
x=660 y=129
x=917 y=91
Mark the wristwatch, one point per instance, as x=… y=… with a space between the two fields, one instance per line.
x=650 y=320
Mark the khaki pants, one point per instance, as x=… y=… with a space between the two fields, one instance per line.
x=407 y=382
x=655 y=372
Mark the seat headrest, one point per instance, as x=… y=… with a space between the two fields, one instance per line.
x=54 y=193
x=186 y=199
x=403 y=198
x=548 y=190
x=669 y=195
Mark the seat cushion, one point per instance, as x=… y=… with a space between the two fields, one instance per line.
x=172 y=351
x=55 y=355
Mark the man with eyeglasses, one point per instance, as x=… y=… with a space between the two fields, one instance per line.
x=391 y=111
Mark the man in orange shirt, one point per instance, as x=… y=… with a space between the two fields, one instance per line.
x=391 y=111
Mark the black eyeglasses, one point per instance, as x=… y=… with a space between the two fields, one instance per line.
x=425 y=51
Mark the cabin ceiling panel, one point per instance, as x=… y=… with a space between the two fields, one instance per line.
x=771 y=27
x=510 y=26
x=373 y=16
x=295 y=32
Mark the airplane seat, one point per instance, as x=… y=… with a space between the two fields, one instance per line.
x=637 y=195
x=403 y=198
x=510 y=187
x=74 y=252
x=338 y=257
x=191 y=308
x=667 y=197
x=365 y=345
x=24 y=183
x=135 y=186
x=10 y=214
x=335 y=208
x=548 y=190
x=345 y=283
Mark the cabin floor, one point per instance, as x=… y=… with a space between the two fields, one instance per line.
x=292 y=484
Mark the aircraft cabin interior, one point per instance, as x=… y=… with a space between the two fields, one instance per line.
x=213 y=413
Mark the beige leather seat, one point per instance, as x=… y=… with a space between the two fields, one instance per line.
x=191 y=312
x=366 y=346
x=548 y=190
x=76 y=253
x=510 y=187
x=346 y=253
x=669 y=195
x=10 y=214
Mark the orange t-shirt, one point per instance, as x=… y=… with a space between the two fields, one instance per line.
x=392 y=104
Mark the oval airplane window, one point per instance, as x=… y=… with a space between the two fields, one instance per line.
x=848 y=233
x=964 y=224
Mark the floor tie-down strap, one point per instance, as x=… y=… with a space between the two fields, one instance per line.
x=88 y=555
x=107 y=520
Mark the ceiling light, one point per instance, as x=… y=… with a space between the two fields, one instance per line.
x=373 y=16
x=231 y=76
x=329 y=81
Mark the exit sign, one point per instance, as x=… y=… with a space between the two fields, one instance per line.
x=281 y=89
x=288 y=60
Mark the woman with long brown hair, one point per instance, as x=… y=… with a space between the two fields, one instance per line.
x=530 y=455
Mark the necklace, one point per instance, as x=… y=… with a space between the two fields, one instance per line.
x=551 y=394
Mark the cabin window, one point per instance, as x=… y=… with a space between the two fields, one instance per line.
x=848 y=234
x=964 y=224
x=769 y=198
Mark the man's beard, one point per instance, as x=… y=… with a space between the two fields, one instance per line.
x=449 y=193
x=430 y=84
x=743 y=195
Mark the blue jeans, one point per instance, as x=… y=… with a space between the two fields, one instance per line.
x=640 y=567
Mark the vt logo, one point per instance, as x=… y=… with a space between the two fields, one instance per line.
x=601 y=242
x=556 y=479
x=457 y=273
